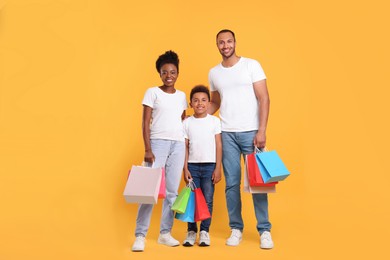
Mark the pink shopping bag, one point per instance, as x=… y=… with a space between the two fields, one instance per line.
x=143 y=185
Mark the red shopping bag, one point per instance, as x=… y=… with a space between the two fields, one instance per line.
x=201 y=210
x=254 y=175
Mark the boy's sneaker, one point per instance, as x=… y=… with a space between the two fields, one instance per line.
x=190 y=239
x=139 y=244
x=168 y=240
x=204 y=238
x=235 y=238
x=266 y=240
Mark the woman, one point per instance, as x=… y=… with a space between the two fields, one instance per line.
x=163 y=111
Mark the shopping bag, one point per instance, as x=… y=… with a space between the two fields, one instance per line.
x=162 y=191
x=143 y=185
x=189 y=214
x=256 y=189
x=271 y=166
x=181 y=201
x=253 y=171
x=201 y=210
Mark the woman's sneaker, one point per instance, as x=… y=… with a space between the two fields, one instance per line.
x=190 y=239
x=204 y=238
x=168 y=240
x=139 y=244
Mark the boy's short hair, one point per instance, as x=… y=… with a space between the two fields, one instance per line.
x=199 y=88
x=169 y=57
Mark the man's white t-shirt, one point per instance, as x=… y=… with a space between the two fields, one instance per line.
x=200 y=133
x=239 y=111
x=166 y=113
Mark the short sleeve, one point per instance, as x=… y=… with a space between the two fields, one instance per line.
x=211 y=84
x=185 y=128
x=257 y=72
x=217 y=125
x=149 y=98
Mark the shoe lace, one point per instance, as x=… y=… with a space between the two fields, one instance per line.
x=235 y=233
x=204 y=235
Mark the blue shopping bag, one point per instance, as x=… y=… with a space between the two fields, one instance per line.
x=188 y=215
x=271 y=166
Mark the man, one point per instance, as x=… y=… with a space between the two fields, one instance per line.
x=238 y=88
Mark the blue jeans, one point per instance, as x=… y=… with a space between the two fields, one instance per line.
x=235 y=144
x=168 y=154
x=202 y=176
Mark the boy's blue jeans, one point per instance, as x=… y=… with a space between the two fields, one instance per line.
x=235 y=144
x=201 y=175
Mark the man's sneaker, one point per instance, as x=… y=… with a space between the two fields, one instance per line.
x=204 y=238
x=168 y=240
x=190 y=239
x=266 y=240
x=139 y=244
x=235 y=238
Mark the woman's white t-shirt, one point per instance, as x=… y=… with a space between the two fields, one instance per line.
x=200 y=133
x=166 y=114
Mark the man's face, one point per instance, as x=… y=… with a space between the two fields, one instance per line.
x=226 y=44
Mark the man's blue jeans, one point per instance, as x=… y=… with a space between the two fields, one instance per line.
x=235 y=144
x=202 y=174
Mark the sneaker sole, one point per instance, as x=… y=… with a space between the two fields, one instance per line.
x=203 y=244
x=188 y=244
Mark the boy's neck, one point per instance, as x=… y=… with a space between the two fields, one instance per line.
x=201 y=115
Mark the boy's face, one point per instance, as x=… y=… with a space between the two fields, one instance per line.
x=200 y=103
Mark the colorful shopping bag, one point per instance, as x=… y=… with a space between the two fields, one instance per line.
x=143 y=185
x=256 y=189
x=189 y=214
x=271 y=166
x=181 y=201
x=201 y=210
x=253 y=171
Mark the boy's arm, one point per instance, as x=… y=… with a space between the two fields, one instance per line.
x=187 y=174
x=217 y=172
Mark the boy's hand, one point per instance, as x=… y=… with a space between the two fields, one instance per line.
x=216 y=176
x=187 y=176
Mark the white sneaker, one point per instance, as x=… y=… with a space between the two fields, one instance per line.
x=266 y=240
x=235 y=238
x=190 y=239
x=168 y=240
x=139 y=244
x=204 y=238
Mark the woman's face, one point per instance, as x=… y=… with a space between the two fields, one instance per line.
x=168 y=74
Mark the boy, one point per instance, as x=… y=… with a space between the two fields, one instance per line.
x=203 y=157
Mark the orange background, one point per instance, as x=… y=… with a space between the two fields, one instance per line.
x=72 y=77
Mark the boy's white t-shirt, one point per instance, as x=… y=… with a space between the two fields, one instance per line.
x=166 y=114
x=239 y=111
x=200 y=133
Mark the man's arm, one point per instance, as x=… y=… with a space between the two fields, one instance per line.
x=261 y=92
x=215 y=102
